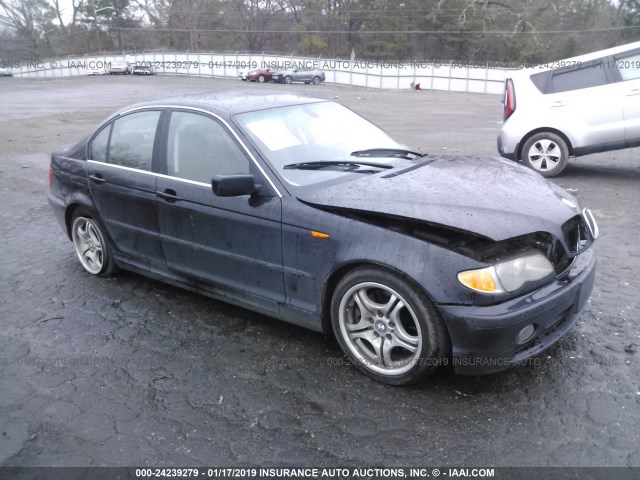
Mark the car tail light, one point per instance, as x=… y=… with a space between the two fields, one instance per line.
x=509 y=99
x=51 y=173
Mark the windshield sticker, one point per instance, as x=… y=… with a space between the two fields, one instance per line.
x=273 y=134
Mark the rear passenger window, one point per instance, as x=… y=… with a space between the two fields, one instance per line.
x=132 y=140
x=629 y=66
x=592 y=76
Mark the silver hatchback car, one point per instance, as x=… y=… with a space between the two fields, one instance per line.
x=573 y=107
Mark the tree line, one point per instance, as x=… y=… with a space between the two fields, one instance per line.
x=518 y=31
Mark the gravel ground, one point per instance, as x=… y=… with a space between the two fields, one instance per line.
x=129 y=371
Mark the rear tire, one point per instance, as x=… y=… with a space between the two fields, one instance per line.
x=546 y=153
x=288 y=79
x=92 y=245
x=261 y=79
x=316 y=80
x=388 y=327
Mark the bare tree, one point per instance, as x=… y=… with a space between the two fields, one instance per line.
x=255 y=17
x=75 y=5
x=189 y=18
x=493 y=30
x=157 y=11
x=29 y=19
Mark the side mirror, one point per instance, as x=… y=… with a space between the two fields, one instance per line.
x=234 y=185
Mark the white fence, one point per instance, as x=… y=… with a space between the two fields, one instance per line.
x=373 y=74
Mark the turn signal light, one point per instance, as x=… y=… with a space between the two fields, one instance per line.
x=480 y=280
x=315 y=234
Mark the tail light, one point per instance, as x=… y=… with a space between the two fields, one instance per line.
x=509 y=99
x=51 y=173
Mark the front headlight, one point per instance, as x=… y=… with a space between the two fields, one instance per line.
x=507 y=276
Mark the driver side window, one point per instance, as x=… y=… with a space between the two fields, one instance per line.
x=199 y=148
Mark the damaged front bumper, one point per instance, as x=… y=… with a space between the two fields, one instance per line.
x=487 y=339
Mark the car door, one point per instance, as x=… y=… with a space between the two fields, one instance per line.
x=581 y=101
x=298 y=75
x=233 y=242
x=628 y=71
x=123 y=185
x=305 y=75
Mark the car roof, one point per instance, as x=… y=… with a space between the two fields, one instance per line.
x=581 y=59
x=607 y=52
x=230 y=103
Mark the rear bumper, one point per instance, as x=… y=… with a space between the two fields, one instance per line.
x=484 y=338
x=507 y=155
x=59 y=207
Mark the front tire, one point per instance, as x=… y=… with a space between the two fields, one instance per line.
x=288 y=79
x=546 y=153
x=316 y=80
x=261 y=79
x=388 y=327
x=92 y=246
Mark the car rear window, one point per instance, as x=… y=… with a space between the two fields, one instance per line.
x=540 y=80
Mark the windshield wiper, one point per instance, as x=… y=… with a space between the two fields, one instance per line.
x=338 y=165
x=388 y=152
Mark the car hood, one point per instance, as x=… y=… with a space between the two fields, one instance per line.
x=486 y=196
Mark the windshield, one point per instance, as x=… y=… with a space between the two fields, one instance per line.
x=323 y=132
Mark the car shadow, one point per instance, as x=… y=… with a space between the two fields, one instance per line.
x=316 y=355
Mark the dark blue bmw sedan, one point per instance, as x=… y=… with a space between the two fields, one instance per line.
x=300 y=209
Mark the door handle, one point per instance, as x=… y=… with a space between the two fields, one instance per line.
x=97 y=179
x=635 y=91
x=169 y=195
x=559 y=103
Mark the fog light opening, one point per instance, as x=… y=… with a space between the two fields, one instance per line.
x=526 y=334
